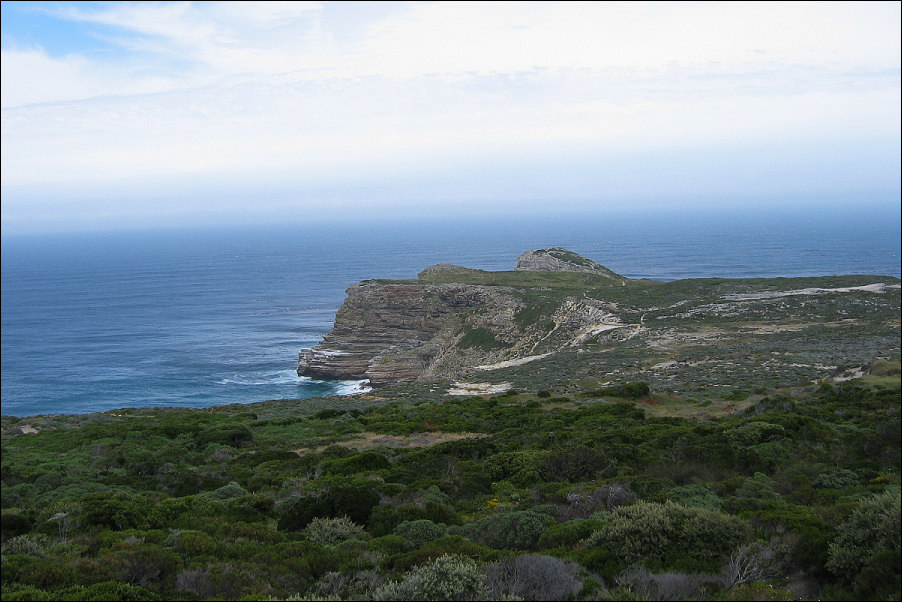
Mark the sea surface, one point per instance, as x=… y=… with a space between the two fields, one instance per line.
x=203 y=317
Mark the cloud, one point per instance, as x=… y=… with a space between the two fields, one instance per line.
x=320 y=97
x=188 y=44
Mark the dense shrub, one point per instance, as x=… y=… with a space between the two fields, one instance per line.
x=631 y=390
x=384 y=518
x=581 y=504
x=651 y=532
x=93 y=507
x=332 y=531
x=663 y=586
x=354 y=498
x=698 y=496
x=14 y=522
x=250 y=507
x=760 y=487
x=568 y=534
x=518 y=467
x=107 y=590
x=420 y=531
x=231 y=435
x=575 y=464
x=508 y=530
x=636 y=532
x=837 y=479
x=350 y=585
x=215 y=580
x=365 y=462
x=467 y=449
x=446 y=578
x=25 y=593
x=481 y=338
x=143 y=564
x=27 y=545
x=193 y=543
x=227 y=492
x=453 y=545
x=182 y=512
x=533 y=577
x=42 y=573
x=873 y=527
x=388 y=544
x=754 y=432
x=116 y=512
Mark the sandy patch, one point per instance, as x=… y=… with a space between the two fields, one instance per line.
x=367 y=441
x=775 y=328
x=478 y=388
x=877 y=287
x=664 y=365
x=592 y=331
x=28 y=430
x=516 y=362
x=854 y=373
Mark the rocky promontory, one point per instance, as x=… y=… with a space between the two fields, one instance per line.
x=560 y=312
x=431 y=327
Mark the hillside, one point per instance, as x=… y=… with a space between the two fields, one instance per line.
x=565 y=434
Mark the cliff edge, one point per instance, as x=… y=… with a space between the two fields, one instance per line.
x=562 y=313
x=452 y=318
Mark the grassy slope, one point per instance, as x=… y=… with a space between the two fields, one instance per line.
x=167 y=503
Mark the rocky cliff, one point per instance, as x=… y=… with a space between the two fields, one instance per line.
x=446 y=321
x=559 y=315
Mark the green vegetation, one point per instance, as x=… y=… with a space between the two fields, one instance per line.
x=699 y=439
x=481 y=338
x=616 y=493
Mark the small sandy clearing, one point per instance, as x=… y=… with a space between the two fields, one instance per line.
x=478 y=388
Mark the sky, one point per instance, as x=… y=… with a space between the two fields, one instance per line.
x=120 y=114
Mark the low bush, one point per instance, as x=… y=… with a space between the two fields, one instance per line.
x=332 y=531
x=568 y=534
x=420 y=531
x=445 y=578
x=872 y=528
x=649 y=532
x=508 y=530
x=533 y=577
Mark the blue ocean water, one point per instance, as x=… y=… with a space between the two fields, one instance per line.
x=205 y=317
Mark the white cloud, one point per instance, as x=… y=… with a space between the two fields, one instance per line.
x=305 y=92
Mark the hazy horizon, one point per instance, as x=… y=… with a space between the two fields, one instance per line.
x=122 y=115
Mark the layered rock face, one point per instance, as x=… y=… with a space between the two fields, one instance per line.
x=388 y=331
x=561 y=310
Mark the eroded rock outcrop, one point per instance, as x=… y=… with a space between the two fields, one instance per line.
x=556 y=259
x=389 y=330
x=392 y=331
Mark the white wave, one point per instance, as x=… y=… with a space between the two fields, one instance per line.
x=280 y=377
x=342 y=387
x=290 y=377
x=353 y=387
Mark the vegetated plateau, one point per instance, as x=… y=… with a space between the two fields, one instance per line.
x=554 y=432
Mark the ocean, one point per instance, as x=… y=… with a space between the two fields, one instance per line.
x=212 y=316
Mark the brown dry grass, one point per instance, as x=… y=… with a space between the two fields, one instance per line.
x=367 y=441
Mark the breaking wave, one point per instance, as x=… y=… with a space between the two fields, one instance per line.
x=305 y=384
